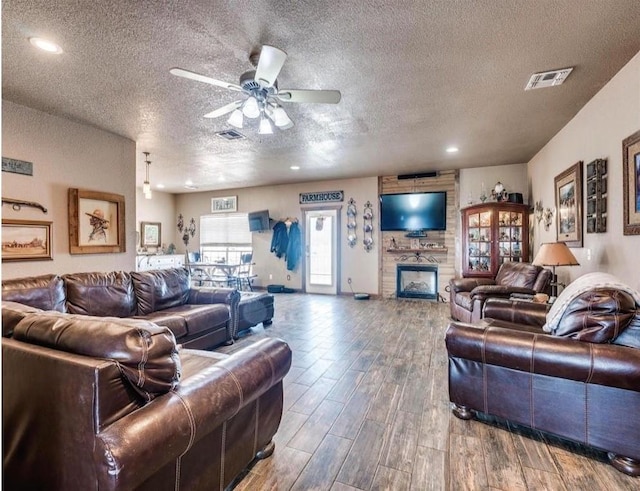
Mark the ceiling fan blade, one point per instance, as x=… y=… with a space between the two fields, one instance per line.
x=317 y=96
x=180 y=72
x=269 y=65
x=224 y=110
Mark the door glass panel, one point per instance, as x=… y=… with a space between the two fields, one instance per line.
x=320 y=251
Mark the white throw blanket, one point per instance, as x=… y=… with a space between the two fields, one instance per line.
x=581 y=285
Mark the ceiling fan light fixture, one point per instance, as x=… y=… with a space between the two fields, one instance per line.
x=250 y=108
x=281 y=118
x=265 y=126
x=236 y=119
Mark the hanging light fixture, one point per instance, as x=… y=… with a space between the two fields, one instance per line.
x=251 y=109
x=146 y=187
x=265 y=125
x=236 y=119
x=281 y=118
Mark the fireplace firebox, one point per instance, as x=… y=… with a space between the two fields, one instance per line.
x=417 y=281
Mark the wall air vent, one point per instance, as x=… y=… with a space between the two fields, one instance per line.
x=230 y=134
x=548 y=79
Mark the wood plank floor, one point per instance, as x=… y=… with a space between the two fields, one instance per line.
x=367 y=408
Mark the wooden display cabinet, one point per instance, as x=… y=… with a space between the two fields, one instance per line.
x=492 y=234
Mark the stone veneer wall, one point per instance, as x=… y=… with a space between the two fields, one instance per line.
x=444 y=181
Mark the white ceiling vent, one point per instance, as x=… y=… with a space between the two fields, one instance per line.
x=548 y=79
x=231 y=134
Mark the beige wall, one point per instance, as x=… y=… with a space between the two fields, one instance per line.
x=597 y=131
x=65 y=154
x=513 y=177
x=283 y=201
x=160 y=208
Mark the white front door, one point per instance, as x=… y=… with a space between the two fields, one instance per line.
x=321 y=246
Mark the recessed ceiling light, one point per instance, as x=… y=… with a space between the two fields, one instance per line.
x=44 y=45
x=160 y=186
x=188 y=183
x=452 y=149
x=295 y=167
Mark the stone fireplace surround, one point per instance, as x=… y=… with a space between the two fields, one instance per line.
x=445 y=258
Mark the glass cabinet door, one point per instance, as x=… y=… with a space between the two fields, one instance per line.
x=510 y=236
x=479 y=253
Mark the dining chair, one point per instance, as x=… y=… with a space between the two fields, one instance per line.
x=244 y=274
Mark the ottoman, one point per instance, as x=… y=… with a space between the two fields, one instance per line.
x=254 y=308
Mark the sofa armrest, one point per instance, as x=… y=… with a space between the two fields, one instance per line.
x=202 y=295
x=487 y=291
x=468 y=284
x=602 y=364
x=139 y=444
x=517 y=311
x=228 y=296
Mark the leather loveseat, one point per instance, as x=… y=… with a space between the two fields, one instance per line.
x=574 y=373
x=112 y=404
x=198 y=317
x=468 y=295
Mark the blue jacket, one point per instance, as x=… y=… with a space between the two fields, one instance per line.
x=294 y=248
x=280 y=239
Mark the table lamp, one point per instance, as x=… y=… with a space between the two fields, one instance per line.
x=555 y=254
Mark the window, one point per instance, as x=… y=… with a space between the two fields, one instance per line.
x=224 y=237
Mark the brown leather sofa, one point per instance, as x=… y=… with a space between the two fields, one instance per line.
x=112 y=404
x=198 y=317
x=581 y=383
x=468 y=295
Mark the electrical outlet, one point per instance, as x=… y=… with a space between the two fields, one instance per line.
x=270 y=276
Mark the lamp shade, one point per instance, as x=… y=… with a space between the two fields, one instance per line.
x=236 y=119
x=555 y=254
x=251 y=108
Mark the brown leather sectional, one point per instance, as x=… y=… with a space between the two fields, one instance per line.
x=108 y=403
x=582 y=383
x=198 y=317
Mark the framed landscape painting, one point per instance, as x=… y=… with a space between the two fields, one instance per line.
x=569 y=205
x=26 y=240
x=631 y=184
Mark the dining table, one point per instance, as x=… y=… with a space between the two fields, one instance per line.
x=213 y=272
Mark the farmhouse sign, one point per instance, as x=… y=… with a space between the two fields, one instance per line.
x=321 y=197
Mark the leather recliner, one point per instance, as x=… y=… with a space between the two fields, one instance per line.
x=468 y=295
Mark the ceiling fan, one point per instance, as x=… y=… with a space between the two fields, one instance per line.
x=263 y=97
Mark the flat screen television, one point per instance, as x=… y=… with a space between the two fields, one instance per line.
x=259 y=221
x=413 y=211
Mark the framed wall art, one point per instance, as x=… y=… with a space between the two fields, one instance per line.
x=96 y=222
x=568 y=186
x=226 y=204
x=631 y=184
x=150 y=234
x=26 y=240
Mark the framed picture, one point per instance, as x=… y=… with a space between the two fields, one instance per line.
x=26 y=240
x=96 y=222
x=569 y=205
x=150 y=234
x=631 y=184
x=224 y=205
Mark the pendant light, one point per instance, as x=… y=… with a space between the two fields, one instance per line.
x=146 y=187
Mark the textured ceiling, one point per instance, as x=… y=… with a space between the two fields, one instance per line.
x=415 y=77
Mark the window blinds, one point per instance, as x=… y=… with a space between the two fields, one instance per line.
x=224 y=228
